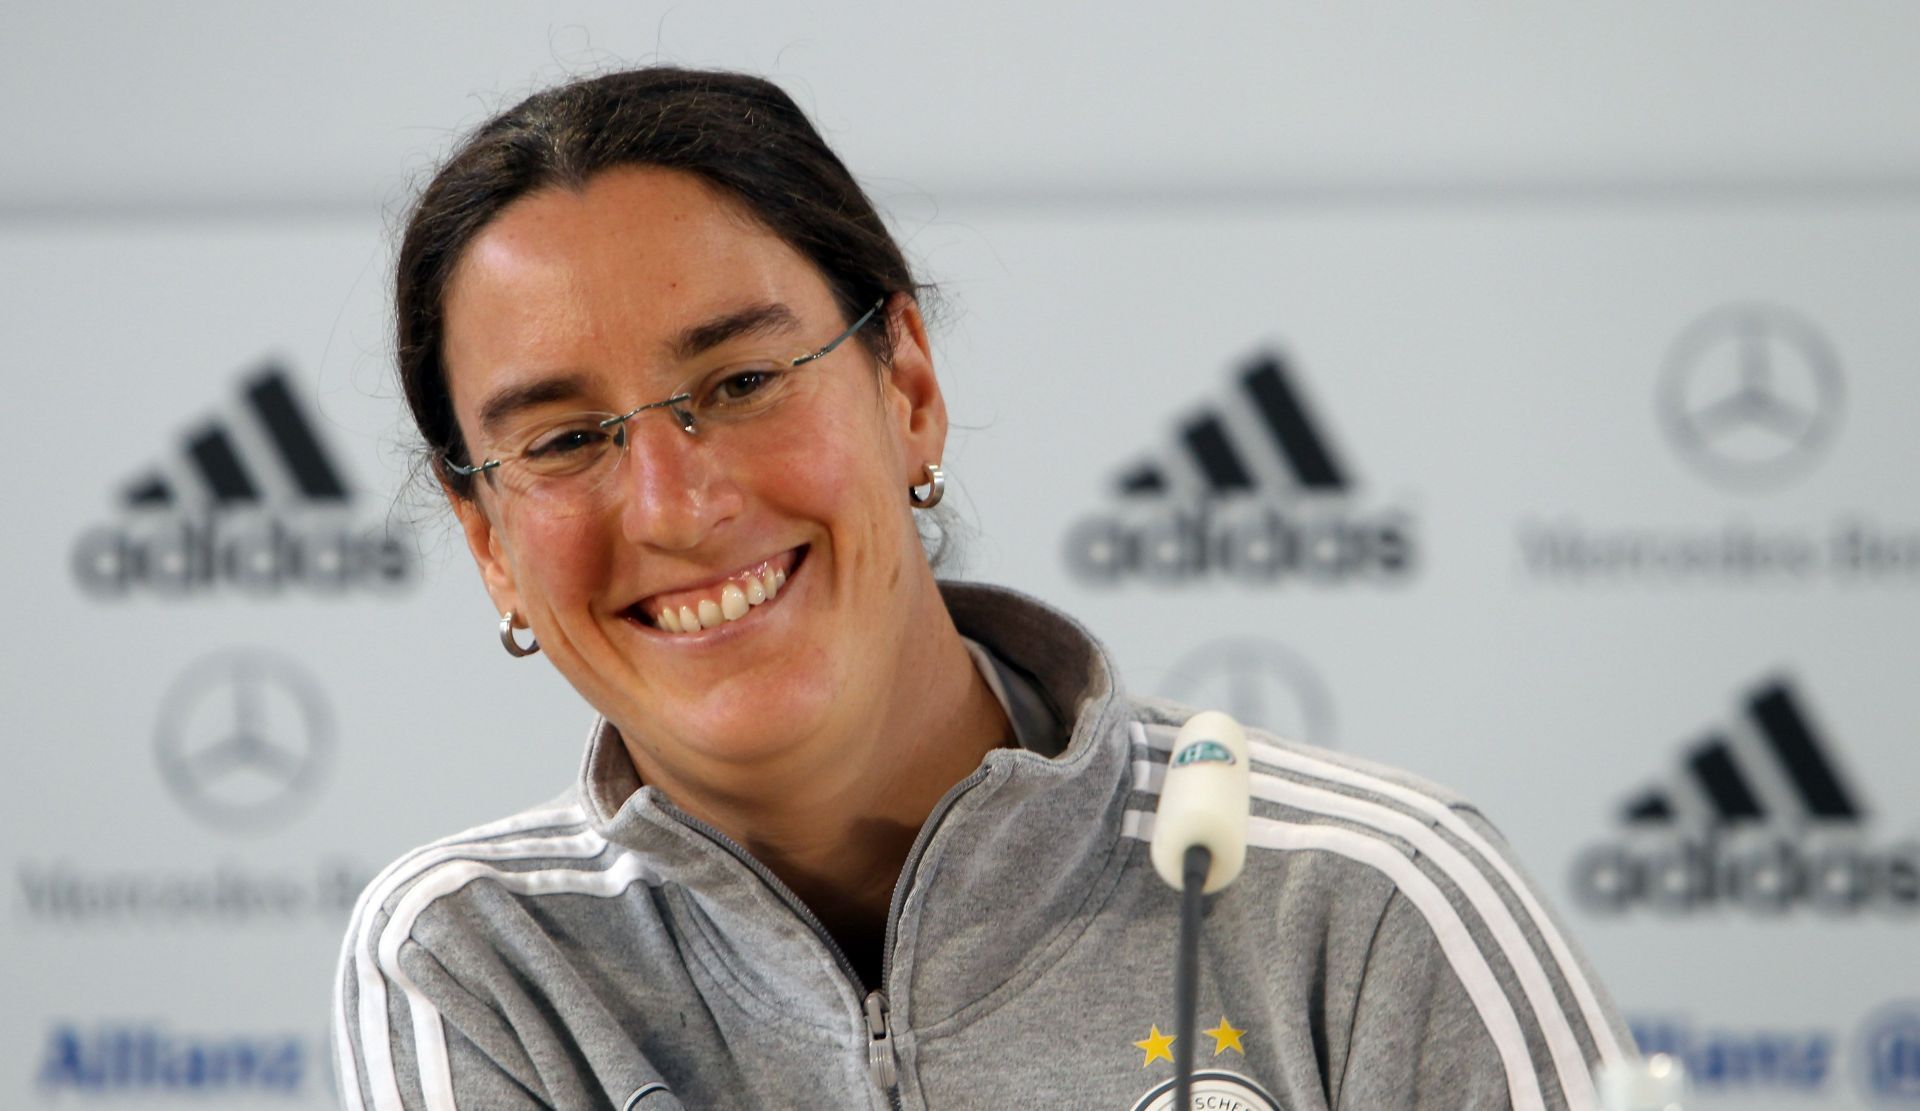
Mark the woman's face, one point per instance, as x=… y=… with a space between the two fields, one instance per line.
x=610 y=297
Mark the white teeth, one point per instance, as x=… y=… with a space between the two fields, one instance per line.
x=736 y=599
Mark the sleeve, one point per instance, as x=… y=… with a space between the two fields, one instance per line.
x=1471 y=994
x=394 y=1046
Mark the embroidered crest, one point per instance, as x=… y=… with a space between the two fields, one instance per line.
x=1213 y=1090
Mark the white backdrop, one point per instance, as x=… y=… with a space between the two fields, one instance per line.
x=1510 y=280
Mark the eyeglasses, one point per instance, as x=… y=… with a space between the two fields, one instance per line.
x=560 y=465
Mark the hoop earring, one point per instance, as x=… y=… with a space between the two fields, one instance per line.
x=510 y=644
x=937 y=488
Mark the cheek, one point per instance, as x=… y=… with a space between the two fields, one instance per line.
x=843 y=478
x=557 y=562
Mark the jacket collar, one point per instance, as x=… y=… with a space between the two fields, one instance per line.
x=1030 y=846
x=1027 y=856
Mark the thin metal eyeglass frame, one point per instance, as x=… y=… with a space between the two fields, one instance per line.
x=678 y=401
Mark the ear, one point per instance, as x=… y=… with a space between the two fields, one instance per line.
x=488 y=548
x=913 y=393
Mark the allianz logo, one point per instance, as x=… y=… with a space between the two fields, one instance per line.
x=118 y=1059
x=1801 y=1062
x=1760 y=819
x=1882 y=1056
x=1252 y=490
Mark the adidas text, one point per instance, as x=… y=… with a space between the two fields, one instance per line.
x=1255 y=541
x=1749 y=872
x=256 y=552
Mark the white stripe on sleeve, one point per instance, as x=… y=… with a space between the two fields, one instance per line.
x=436 y=1076
x=373 y=1015
x=1569 y=1062
x=383 y=885
x=1445 y=817
x=1468 y=963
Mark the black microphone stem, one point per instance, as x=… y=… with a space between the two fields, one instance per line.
x=1186 y=976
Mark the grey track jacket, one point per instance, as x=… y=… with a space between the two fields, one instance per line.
x=1380 y=950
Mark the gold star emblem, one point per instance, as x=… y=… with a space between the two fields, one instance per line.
x=1225 y=1037
x=1159 y=1047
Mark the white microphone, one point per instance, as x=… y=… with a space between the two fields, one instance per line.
x=1199 y=846
x=1658 y=1083
x=1204 y=801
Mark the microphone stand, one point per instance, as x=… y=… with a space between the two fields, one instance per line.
x=1186 y=974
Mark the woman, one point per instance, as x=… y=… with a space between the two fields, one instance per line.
x=844 y=836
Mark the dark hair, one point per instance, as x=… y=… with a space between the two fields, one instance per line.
x=739 y=133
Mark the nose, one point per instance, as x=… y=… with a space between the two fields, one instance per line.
x=673 y=486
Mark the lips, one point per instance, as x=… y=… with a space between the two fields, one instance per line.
x=719 y=601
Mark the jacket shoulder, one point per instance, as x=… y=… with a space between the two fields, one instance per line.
x=559 y=828
x=1460 y=920
x=1171 y=715
x=386 y=984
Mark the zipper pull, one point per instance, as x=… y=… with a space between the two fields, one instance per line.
x=880 y=1063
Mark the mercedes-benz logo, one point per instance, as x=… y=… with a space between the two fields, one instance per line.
x=1751 y=395
x=244 y=738
x=1260 y=683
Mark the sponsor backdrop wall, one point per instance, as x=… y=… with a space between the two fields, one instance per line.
x=1596 y=506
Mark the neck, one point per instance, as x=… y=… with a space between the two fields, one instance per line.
x=837 y=819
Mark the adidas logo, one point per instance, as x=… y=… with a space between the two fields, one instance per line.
x=1791 y=774
x=1279 y=443
x=288 y=457
x=1251 y=489
x=1759 y=818
x=254 y=500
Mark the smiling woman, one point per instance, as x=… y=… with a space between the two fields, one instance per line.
x=845 y=835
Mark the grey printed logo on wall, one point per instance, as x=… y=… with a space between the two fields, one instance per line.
x=244 y=739
x=1761 y=818
x=257 y=501
x=1260 y=683
x=1751 y=395
x=1251 y=490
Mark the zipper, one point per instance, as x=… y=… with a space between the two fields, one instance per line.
x=880 y=1061
x=912 y=865
x=882 y=1066
x=807 y=917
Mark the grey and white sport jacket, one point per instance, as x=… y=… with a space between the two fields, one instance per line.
x=1380 y=951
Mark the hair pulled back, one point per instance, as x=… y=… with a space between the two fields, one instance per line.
x=738 y=133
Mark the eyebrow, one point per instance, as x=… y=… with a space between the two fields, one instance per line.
x=754 y=320
x=503 y=404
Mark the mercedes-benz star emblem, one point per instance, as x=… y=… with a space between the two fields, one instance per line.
x=1260 y=683
x=1751 y=395
x=244 y=738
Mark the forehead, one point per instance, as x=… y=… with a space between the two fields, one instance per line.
x=586 y=280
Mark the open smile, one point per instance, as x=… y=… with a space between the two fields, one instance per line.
x=722 y=601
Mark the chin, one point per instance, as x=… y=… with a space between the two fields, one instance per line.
x=749 y=721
